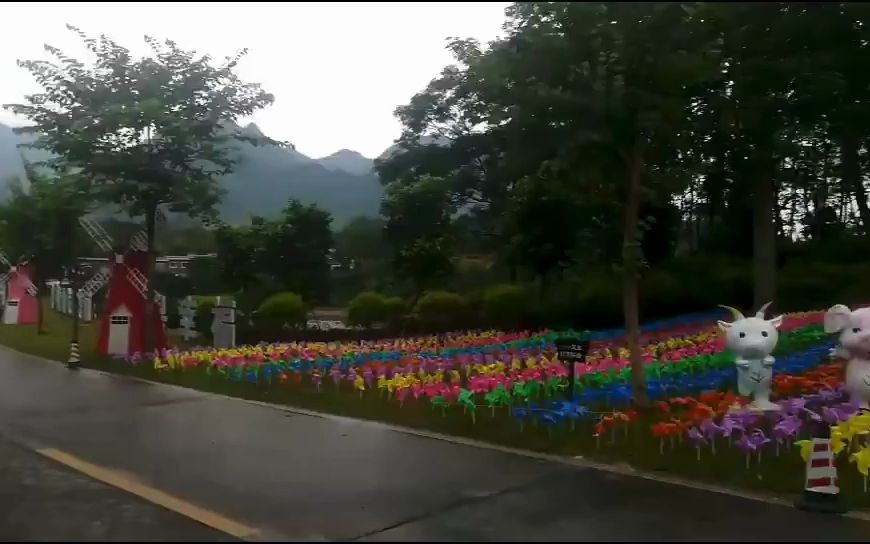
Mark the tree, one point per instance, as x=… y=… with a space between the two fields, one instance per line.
x=291 y=252
x=148 y=132
x=296 y=250
x=418 y=228
x=41 y=225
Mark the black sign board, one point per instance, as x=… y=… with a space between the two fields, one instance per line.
x=571 y=350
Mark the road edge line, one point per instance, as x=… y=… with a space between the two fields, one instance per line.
x=132 y=485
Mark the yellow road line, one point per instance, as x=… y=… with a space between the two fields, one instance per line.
x=150 y=494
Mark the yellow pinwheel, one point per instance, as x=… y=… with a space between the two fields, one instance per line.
x=862 y=460
x=806 y=448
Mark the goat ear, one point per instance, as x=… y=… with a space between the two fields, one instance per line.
x=776 y=321
x=724 y=325
x=837 y=318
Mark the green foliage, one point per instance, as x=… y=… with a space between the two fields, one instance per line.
x=394 y=312
x=418 y=216
x=286 y=307
x=441 y=311
x=203 y=316
x=290 y=253
x=506 y=306
x=367 y=309
x=204 y=275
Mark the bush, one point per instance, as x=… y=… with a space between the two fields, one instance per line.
x=203 y=317
x=394 y=312
x=285 y=307
x=366 y=309
x=505 y=306
x=441 y=311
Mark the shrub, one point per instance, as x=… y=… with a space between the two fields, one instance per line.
x=285 y=307
x=505 y=306
x=394 y=312
x=366 y=309
x=441 y=311
x=203 y=317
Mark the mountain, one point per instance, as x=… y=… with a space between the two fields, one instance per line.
x=264 y=179
x=10 y=160
x=347 y=161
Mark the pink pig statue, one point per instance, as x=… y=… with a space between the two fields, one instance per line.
x=854 y=329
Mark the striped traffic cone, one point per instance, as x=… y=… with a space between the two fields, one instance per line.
x=73 y=361
x=821 y=491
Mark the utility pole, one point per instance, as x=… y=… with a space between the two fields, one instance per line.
x=75 y=275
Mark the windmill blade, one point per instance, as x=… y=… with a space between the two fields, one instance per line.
x=139 y=241
x=97 y=233
x=137 y=280
x=95 y=283
x=30 y=287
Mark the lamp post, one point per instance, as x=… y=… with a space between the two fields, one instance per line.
x=76 y=275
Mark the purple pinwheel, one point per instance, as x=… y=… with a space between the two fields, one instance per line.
x=752 y=442
x=787 y=429
x=335 y=374
x=697 y=438
x=368 y=376
x=792 y=406
x=729 y=425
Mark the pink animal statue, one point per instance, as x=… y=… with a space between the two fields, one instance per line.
x=854 y=329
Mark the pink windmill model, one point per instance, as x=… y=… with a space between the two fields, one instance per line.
x=20 y=304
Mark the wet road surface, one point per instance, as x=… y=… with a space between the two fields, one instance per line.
x=301 y=477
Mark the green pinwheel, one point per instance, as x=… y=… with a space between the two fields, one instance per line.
x=466 y=399
x=498 y=397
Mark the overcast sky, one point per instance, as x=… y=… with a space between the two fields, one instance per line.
x=337 y=70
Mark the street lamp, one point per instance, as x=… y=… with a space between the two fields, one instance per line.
x=76 y=275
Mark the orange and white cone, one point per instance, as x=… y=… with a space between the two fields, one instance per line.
x=822 y=490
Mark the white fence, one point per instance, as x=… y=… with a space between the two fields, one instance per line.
x=61 y=296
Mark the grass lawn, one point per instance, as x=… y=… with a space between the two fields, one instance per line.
x=782 y=475
x=55 y=343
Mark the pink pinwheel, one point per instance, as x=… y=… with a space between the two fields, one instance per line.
x=402 y=394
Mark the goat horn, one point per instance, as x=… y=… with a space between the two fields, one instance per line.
x=763 y=309
x=735 y=312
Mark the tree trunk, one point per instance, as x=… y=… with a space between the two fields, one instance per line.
x=852 y=179
x=150 y=333
x=764 y=206
x=630 y=271
x=40 y=311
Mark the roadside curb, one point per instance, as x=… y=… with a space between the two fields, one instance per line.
x=621 y=469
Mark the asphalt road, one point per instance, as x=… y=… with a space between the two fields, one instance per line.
x=286 y=476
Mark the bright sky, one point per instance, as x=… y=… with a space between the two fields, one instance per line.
x=337 y=70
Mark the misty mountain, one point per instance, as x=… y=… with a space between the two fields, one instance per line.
x=264 y=179
x=348 y=161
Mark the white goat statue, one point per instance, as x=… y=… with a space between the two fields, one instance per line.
x=752 y=340
x=854 y=329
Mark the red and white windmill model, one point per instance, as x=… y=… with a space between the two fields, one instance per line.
x=21 y=305
x=122 y=324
